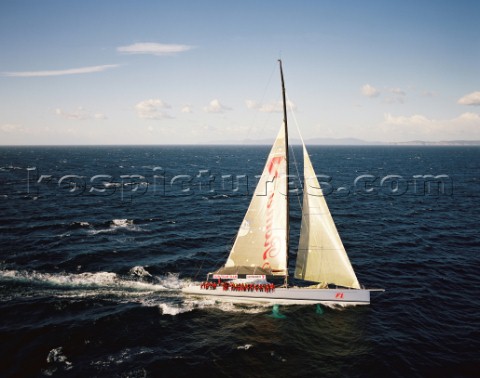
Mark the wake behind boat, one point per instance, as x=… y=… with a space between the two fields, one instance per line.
x=256 y=269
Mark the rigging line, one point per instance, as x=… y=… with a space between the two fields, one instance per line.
x=295 y=120
x=217 y=261
x=217 y=264
x=200 y=267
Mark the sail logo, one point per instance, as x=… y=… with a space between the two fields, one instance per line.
x=339 y=295
x=272 y=243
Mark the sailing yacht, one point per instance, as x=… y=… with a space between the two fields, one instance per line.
x=259 y=256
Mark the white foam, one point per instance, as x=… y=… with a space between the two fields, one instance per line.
x=56 y=355
x=11 y=167
x=122 y=222
x=163 y=292
x=174 y=309
x=57 y=360
x=81 y=224
x=173 y=306
x=84 y=279
x=139 y=271
x=102 y=231
x=242 y=308
x=172 y=281
x=190 y=304
x=105 y=280
x=117 y=224
x=111 y=184
x=119 y=358
x=244 y=347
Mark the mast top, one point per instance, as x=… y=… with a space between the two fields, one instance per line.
x=283 y=95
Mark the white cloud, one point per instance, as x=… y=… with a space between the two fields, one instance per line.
x=152 y=109
x=153 y=48
x=416 y=119
x=70 y=71
x=80 y=114
x=369 y=91
x=187 y=109
x=470 y=99
x=11 y=128
x=393 y=95
x=470 y=117
x=465 y=126
x=252 y=104
x=216 y=107
x=271 y=107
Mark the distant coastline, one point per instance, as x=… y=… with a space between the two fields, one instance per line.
x=356 y=142
x=441 y=143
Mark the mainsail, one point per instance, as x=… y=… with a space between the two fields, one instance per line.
x=321 y=255
x=261 y=243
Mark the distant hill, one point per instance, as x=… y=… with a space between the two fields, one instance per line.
x=350 y=142
x=441 y=143
x=310 y=142
x=340 y=142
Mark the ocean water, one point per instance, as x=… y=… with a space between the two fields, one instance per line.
x=97 y=242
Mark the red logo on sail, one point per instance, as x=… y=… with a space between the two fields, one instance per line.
x=271 y=244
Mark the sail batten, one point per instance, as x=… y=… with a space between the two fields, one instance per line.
x=321 y=256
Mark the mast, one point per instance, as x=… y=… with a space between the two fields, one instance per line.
x=287 y=168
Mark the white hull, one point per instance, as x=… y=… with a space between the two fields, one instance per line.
x=285 y=296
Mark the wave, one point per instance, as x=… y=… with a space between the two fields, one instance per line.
x=191 y=304
x=244 y=347
x=12 y=168
x=112 y=184
x=139 y=271
x=79 y=224
x=122 y=222
x=175 y=309
x=163 y=292
x=215 y=196
x=117 y=224
x=97 y=280
x=56 y=361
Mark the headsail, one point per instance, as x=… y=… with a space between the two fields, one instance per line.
x=261 y=241
x=321 y=255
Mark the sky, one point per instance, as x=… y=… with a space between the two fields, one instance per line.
x=198 y=72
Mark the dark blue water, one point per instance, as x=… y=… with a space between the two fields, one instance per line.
x=96 y=243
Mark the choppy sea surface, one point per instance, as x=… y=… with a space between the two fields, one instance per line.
x=97 y=242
